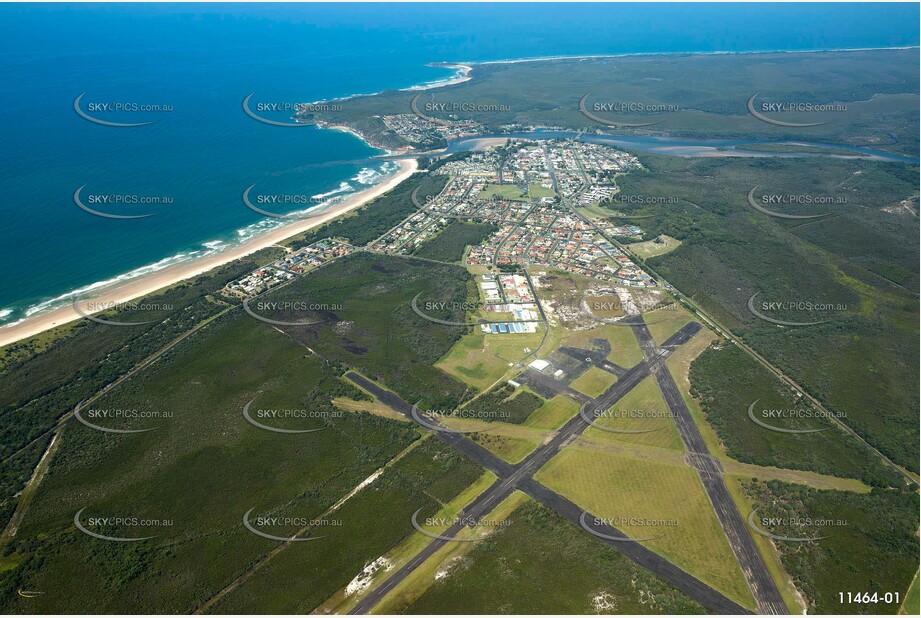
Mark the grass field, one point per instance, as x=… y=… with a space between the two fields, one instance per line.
x=593 y=382
x=480 y=360
x=686 y=530
x=512 y=448
x=642 y=409
x=553 y=414
x=912 y=604
x=665 y=322
x=625 y=351
x=540 y=564
x=679 y=364
x=537 y=191
x=506 y=192
x=659 y=246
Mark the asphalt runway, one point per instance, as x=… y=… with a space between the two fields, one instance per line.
x=759 y=579
x=520 y=477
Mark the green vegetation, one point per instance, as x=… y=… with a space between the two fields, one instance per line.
x=537 y=191
x=480 y=360
x=912 y=604
x=200 y=469
x=625 y=351
x=685 y=529
x=869 y=546
x=510 y=448
x=507 y=192
x=505 y=404
x=301 y=578
x=660 y=245
x=860 y=362
x=666 y=321
x=553 y=414
x=371 y=325
x=440 y=563
x=879 y=87
x=593 y=382
x=540 y=564
x=716 y=378
x=798 y=148
x=641 y=410
x=45 y=377
x=450 y=243
x=372 y=220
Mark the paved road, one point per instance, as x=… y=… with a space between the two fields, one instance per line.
x=548 y=386
x=520 y=476
x=646 y=558
x=480 y=507
x=759 y=579
x=597 y=358
x=460 y=442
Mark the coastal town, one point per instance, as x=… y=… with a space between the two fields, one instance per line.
x=447 y=309
x=532 y=194
x=538 y=197
x=293 y=264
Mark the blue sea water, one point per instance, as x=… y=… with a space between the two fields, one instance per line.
x=201 y=60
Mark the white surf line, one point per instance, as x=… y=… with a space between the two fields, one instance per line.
x=475 y=63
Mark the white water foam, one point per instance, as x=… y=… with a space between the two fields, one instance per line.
x=365 y=177
x=344 y=187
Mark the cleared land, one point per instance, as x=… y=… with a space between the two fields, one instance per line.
x=658 y=246
x=542 y=564
x=593 y=382
x=641 y=410
x=508 y=192
x=641 y=491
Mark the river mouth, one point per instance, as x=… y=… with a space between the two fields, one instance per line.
x=689 y=147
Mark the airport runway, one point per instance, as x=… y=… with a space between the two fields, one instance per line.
x=520 y=477
x=759 y=579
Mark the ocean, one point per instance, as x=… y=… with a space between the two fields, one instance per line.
x=195 y=63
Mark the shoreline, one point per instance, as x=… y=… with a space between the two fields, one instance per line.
x=474 y=63
x=144 y=285
x=462 y=72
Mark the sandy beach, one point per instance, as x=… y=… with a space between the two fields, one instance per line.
x=485 y=143
x=147 y=284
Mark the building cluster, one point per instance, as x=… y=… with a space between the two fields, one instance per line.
x=509 y=294
x=292 y=264
x=539 y=228
x=528 y=192
x=505 y=290
x=620 y=231
x=588 y=253
x=587 y=172
x=422 y=132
